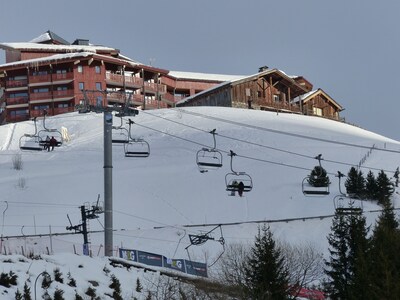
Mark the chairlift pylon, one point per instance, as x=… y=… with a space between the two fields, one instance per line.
x=315 y=190
x=136 y=147
x=200 y=239
x=49 y=132
x=209 y=158
x=237 y=181
x=30 y=142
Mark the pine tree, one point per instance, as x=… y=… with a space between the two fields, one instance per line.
x=384 y=188
x=348 y=262
x=27 y=292
x=355 y=183
x=139 y=286
x=266 y=276
x=58 y=294
x=318 y=177
x=385 y=261
x=371 y=188
x=116 y=286
x=396 y=176
x=18 y=295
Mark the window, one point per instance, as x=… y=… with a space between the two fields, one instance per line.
x=81 y=86
x=41 y=107
x=15 y=113
x=41 y=90
x=61 y=88
x=62 y=105
x=97 y=69
x=80 y=69
x=98 y=86
x=276 y=98
x=18 y=95
x=61 y=71
x=317 y=111
x=37 y=73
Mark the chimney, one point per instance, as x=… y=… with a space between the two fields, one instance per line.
x=262 y=69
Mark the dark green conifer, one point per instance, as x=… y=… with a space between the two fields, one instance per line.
x=266 y=276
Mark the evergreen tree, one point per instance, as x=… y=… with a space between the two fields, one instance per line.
x=266 y=276
x=27 y=292
x=18 y=295
x=384 y=188
x=348 y=262
x=318 y=177
x=371 y=188
x=139 y=286
x=355 y=183
x=385 y=261
x=58 y=294
x=396 y=177
x=116 y=286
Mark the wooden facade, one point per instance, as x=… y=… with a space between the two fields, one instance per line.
x=270 y=90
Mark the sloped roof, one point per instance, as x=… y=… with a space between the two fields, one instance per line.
x=203 y=76
x=58 y=58
x=51 y=37
x=55 y=48
x=310 y=95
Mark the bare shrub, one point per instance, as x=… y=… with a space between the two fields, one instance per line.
x=17 y=161
x=21 y=183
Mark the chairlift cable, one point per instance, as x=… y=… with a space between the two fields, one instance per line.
x=289 y=134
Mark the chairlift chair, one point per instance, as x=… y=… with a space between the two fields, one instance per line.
x=237 y=181
x=313 y=190
x=30 y=142
x=209 y=158
x=136 y=147
x=51 y=132
x=347 y=205
x=120 y=134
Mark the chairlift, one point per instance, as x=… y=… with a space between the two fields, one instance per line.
x=49 y=132
x=346 y=204
x=237 y=181
x=136 y=147
x=120 y=134
x=30 y=142
x=209 y=158
x=315 y=190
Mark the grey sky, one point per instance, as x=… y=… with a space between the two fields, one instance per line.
x=348 y=48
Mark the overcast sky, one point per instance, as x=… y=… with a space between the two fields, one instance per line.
x=350 y=49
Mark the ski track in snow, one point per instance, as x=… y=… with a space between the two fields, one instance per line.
x=9 y=137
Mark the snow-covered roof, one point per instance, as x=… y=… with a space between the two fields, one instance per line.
x=49 y=36
x=58 y=57
x=204 y=76
x=55 y=48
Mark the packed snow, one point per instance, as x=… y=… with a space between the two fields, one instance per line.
x=159 y=200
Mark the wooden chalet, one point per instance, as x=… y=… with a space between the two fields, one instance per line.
x=270 y=89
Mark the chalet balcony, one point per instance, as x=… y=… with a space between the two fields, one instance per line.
x=280 y=106
x=44 y=79
x=51 y=111
x=16 y=83
x=135 y=82
x=17 y=118
x=172 y=99
x=52 y=95
x=136 y=99
x=17 y=100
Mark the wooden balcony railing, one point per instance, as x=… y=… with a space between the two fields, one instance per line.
x=131 y=81
x=16 y=83
x=18 y=118
x=50 y=77
x=17 y=100
x=51 y=95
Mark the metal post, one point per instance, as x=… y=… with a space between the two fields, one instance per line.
x=108 y=213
